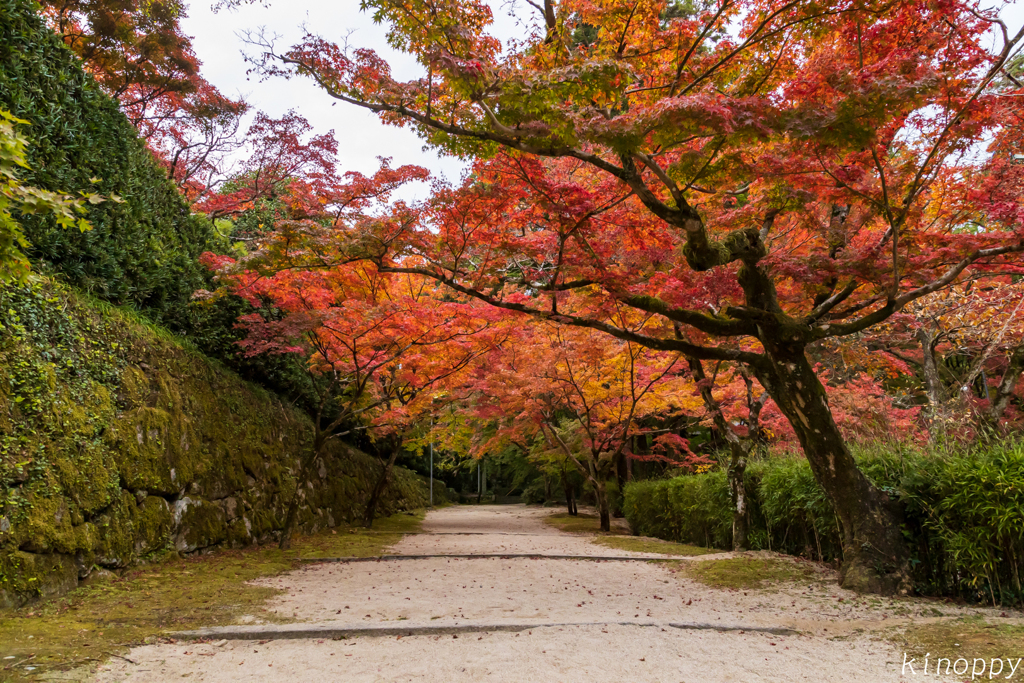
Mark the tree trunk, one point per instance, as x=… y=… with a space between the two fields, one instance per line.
x=620 y=479
x=293 y=508
x=601 y=492
x=932 y=382
x=738 y=493
x=378 y=489
x=570 y=501
x=479 y=481
x=737 y=450
x=876 y=559
x=1004 y=391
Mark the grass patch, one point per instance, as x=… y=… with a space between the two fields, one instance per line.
x=581 y=524
x=640 y=544
x=968 y=638
x=746 y=572
x=146 y=602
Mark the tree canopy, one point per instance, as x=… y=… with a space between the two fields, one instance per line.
x=750 y=178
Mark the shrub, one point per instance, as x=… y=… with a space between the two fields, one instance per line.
x=688 y=509
x=533 y=493
x=143 y=252
x=963 y=513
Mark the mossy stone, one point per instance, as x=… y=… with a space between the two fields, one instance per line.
x=25 y=576
x=153 y=525
x=118 y=426
x=116 y=527
x=201 y=525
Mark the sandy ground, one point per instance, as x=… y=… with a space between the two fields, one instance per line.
x=839 y=640
x=584 y=654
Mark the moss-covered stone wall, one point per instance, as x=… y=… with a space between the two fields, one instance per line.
x=118 y=443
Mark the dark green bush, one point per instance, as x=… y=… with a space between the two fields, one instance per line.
x=143 y=252
x=534 y=493
x=963 y=513
x=690 y=509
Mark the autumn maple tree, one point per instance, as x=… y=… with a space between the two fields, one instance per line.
x=587 y=396
x=136 y=51
x=765 y=175
x=378 y=346
x=967 y=346
x=139 y=54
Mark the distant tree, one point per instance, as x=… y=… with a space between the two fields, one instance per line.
x=587 y=395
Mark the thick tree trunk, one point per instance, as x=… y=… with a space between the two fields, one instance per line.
x=876 y=559
x=378 y=489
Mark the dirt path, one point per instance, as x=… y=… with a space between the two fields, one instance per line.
x=583 y=620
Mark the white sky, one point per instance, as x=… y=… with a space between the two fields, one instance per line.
x=361 y=137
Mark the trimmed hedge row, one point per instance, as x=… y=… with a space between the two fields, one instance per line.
x=964 y=514
x=144 y=252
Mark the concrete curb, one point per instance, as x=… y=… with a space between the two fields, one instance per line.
x=503 y=556
x=370 y=532
x=342 y=631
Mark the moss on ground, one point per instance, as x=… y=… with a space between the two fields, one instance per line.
x=581 y=524
x=743 y=573
x=107 y=616
x=967 y=638
x=651 y=545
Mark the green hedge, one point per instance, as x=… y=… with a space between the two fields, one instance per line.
x=963 y=513
x=143 y=252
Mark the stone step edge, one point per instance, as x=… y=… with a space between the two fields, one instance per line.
x=344 y=631
x=505 y=556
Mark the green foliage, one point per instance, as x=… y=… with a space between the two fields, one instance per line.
x=534 y=493
x=637 y=544
x=963 y=513
x=141 y=252
x=15 y=195
x=688 y=509
x=742 y=573
x=582 y=523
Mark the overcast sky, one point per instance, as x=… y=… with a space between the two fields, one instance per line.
x=362 y=138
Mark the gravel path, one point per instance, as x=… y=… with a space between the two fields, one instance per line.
x=838 y=639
